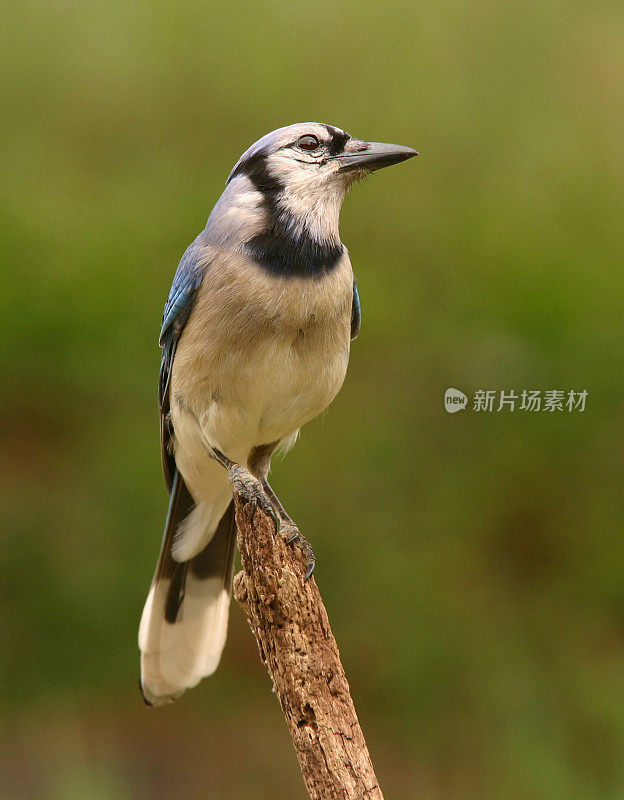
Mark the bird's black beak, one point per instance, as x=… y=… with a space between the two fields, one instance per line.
x=374 y=155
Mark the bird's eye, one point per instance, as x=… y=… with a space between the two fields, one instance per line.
x=308 y=142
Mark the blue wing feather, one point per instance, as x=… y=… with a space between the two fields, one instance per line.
x=356 y=313
x=178 y=307
x=186 y=281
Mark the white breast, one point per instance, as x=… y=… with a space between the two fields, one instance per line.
x=259 y=356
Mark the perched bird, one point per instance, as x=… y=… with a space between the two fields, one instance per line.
x=255 y=335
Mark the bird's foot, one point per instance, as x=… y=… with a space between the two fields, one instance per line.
x=293 y=536
x=250 y=488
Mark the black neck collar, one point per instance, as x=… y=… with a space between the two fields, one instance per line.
x=281 y=252
x=280 y=249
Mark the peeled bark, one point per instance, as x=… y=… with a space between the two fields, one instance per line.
x=289 y=620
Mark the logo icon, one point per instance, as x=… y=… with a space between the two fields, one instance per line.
x=454 y=400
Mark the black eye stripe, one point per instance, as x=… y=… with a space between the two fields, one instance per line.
x=338 y=140
x=335 y=145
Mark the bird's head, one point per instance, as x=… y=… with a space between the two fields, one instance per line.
x=295 y=179
x=317 y=156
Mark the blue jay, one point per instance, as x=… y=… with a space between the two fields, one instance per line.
x=255 y=336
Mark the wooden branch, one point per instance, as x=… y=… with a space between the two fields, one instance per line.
x=289 y=620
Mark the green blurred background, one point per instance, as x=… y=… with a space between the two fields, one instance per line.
x=473 y=564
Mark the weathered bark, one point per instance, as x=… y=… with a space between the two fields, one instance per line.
x=289 y=620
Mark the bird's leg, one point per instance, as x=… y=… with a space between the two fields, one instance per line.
x=259 y=493
x=246 y=485
x=289 y=530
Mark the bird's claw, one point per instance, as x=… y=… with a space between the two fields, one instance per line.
x=293 y=537
x=252 y=491
x=250 y=488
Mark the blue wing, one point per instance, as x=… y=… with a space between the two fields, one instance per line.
x=356 y=313
x=178 y=307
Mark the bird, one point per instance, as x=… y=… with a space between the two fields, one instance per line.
x=255 y=339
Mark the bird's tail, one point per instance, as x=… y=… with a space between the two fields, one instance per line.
x=184 y=621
